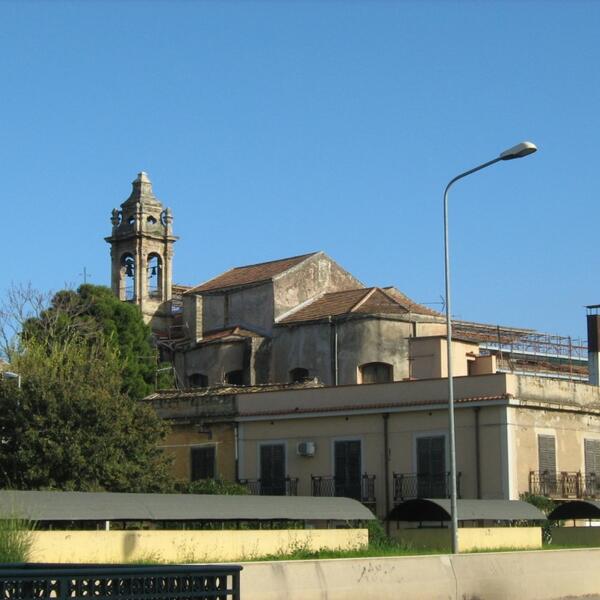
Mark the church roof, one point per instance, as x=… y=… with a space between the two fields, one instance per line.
x=250 y=274
x=360 y=301
x=235 y=332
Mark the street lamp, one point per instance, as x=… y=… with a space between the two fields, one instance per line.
x=518 y=151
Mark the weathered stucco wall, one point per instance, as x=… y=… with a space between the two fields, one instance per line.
x=308 y=347
x=185 y=546
x=404 y=429
x=250 y=307
x=570 y=430
x=362 y=341
x=312 y=277
x=182 y=438
x=215 y=360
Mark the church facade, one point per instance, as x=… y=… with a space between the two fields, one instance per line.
x=283 y=321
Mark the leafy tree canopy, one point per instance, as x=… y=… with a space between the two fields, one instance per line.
x=71 y=426
x=95 y=310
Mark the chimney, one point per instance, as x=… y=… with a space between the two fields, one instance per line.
x=593 y=336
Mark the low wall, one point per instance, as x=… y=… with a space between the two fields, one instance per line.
x=185 y=546
x=472 y=538
x=576 y=536
x=541 y=575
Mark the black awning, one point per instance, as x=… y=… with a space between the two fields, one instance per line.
x=576 y=509
x=434 y=509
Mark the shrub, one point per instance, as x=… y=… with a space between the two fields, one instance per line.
x=16 y=539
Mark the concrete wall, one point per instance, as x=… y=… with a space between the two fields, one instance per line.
x=185 y=546
x=471 y=538
x=538 y=575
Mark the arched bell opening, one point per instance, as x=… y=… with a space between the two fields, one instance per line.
x=154 y=274
x=127 y=277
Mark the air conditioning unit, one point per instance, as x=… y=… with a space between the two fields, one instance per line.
x=306 y=449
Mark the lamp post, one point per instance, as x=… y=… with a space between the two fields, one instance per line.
x=518 y=151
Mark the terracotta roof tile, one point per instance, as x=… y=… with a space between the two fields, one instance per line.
x=409 y=304
x=237 y=332
x=250 y=274
x=361 y=301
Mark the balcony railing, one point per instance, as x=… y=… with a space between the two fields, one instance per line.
x=362 y=489
x=280 y=487
x=564 y=484
x=423 y=485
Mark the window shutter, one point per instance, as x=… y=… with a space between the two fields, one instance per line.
x=547 y=453
x=431 y=455
x=203 y=463
x=592 y=457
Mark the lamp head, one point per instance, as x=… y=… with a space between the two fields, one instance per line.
x=518 y=151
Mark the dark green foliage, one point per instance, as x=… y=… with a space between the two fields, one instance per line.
x=546 y=505
x=97 y=313
x=76 y=424
x=213 y=486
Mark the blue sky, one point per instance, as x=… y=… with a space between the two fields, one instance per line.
x=277 y=128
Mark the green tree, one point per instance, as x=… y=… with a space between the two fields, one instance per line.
x=76 y=422
x=70 y=427
x=96 y=310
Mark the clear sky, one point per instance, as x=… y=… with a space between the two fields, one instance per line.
x=278 y=128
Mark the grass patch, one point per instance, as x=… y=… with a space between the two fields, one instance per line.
x=16 y=539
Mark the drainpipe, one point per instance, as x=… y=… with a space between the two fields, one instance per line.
x=333 y=336
x=236 y=444
x=477 y=456
x=386 y=469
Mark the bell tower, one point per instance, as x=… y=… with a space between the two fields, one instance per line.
x=141 y=249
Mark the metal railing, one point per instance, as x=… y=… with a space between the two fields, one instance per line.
x=280 y=487
x=564 y=484
x=423 y=485
x=362 y=489
x=147 y=582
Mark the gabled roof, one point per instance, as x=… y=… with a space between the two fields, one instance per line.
x=230 y=333
x=250 y=274
x=373 y=301
x=411 y=305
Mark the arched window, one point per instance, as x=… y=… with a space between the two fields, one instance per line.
x=154 y=272
x=127 y=277
x=198 y=380
x=151 y=220
x=376 y=372
x=298 y=375
x=235 y=377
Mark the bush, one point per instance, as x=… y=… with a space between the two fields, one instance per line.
x=212 y=486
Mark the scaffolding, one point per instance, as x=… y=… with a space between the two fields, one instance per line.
x=526 y=351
